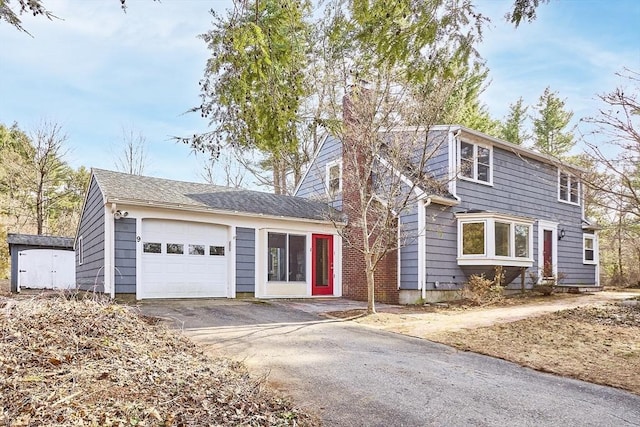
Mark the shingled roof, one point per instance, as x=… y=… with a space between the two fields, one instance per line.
x=136 y=189
x=43 y=241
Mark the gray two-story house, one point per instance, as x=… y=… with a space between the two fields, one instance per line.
x=504 y=205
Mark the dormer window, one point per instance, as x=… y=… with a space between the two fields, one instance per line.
x=568 y=188
x=475 y=162
x=333 y=178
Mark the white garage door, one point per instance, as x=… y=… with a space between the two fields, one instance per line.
x=183 y=259
x=46 y=269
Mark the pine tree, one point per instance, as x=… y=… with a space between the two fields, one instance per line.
x=512 y=129
x=550 y=125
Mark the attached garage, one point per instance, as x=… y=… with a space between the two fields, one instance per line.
x=41 y=262
x=144 y=238
x=182 y=259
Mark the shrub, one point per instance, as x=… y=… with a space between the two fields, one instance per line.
x=483 y=291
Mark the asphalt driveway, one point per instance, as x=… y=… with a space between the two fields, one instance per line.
x=352 y=375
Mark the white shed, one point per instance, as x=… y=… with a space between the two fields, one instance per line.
x=41 y=262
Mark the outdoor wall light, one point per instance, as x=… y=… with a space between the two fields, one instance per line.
x=120 y=214
x=561 y=234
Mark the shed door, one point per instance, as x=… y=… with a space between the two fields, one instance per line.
x=182 y=259
x=46 y=269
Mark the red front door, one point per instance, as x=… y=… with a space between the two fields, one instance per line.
x=322 y=264
x=547 y=254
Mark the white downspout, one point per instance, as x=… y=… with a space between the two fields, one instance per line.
x=453 y=162
x=422 y=246
x=109 y=251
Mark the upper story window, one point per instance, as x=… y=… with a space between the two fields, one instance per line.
x=475 y=162
x=568 y=188
x=333 y=177
x=489 y=238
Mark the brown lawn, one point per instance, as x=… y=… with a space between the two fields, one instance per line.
x=596 y=344
x=594 y=338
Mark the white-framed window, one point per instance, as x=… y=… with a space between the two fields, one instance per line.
x=475 y=162
x=286 y=257
x=80 y=250
x=590 y=249
x=488 y=238
x=568 y=188
x=473 y=238
x=333 y=177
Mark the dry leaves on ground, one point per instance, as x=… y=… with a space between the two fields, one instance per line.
x=599 y=344
x=85 y=362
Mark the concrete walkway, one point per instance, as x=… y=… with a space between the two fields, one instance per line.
x=423 y=324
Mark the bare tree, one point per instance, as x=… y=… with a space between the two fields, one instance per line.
x=618 y=122
x=132 y=157
x=47 y=170
x=227 y=168
x=386 y=169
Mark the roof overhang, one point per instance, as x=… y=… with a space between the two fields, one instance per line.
x=204 y=209
x=517 y=149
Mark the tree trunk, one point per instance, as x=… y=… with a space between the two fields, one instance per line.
x=275 y=164
x=620 y=271
x=371 y=304
x=40 y=206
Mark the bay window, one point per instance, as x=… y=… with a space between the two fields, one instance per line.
x=491 y=238
x=473 y=238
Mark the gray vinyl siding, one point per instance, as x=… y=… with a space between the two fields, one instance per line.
x=529 y=188
x=441 y=249
x=313 y=184
x=245 y=260
x=15 y=250
x=438 y=154
x=409 y=250
x=125 y=255
x=570 y=261
x=90 y=275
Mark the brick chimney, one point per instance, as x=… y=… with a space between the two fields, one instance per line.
x=358 y=115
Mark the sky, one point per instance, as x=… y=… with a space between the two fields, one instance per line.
x=98 y=70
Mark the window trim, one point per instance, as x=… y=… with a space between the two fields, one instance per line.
x=490 y=257
x=475 y=162
x=594 y=239
x=571 y=178
x=80 y=250
x=327 y=177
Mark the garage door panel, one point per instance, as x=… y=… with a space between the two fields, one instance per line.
x=183 y=275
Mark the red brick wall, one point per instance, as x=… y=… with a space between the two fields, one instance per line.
x=354 y=280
